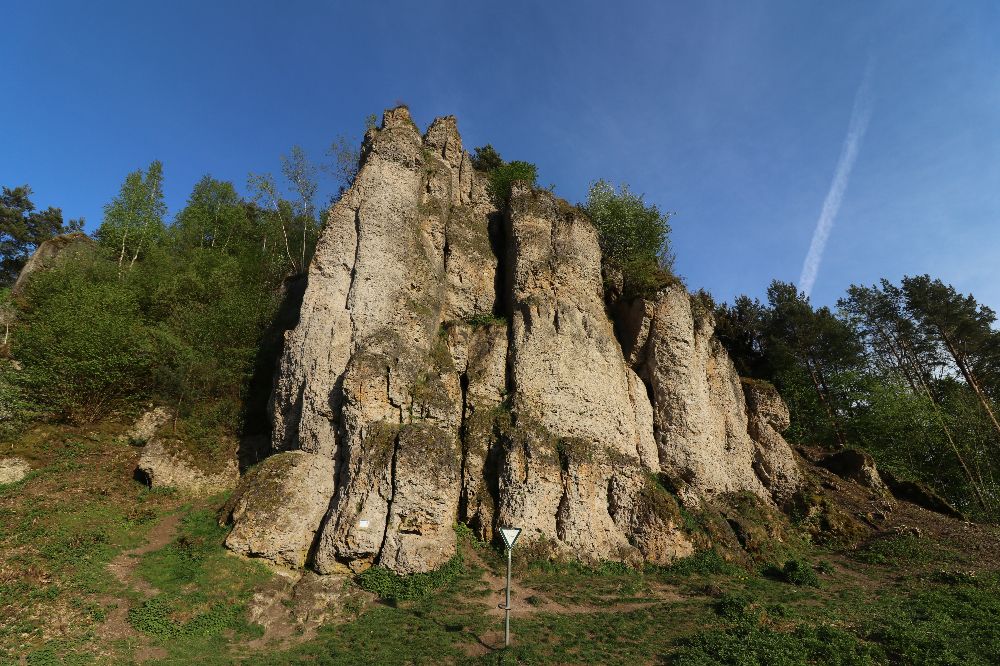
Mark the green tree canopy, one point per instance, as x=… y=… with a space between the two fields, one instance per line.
x=134 y=220
x=634 y=236
x=215 y=216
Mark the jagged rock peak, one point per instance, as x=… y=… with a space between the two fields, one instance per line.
x=456 y=362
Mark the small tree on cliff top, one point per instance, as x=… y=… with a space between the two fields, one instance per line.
x=635 y=236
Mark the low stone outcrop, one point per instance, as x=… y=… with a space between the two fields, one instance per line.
x=454 y=362
x=167 y=463
x=278 y=505
x=13 y=469
x=855 y=465
x=919 y=494
x=49 y=253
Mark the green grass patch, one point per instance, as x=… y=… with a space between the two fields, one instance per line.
x=389 y=585
x=203 y=591
x=952 y=622
x=902 y=548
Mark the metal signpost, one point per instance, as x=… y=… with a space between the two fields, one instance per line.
x=510 y=535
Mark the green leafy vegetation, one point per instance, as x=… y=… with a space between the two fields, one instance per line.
x=389 y=585
x=503 y=177
x=799 y=572
x=179 y=313
x=909 y=372
x=634 y=235
x=485 y=320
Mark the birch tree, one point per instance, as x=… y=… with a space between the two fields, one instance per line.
x=134 y=220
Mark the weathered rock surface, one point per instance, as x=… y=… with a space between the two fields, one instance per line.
x=147 y=425
x=13 y=469
x=49 y=253
x=708 y=442
x=166 y=463
x=277 y=507
x=855 y=465
x=767 y=418
x=456 y=363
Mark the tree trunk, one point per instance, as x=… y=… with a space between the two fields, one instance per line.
x=121 y=255
x=820 y=391
x=970 y=378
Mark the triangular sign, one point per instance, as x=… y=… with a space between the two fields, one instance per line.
x=510 y=535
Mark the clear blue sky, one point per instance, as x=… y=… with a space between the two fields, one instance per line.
x=734 y=115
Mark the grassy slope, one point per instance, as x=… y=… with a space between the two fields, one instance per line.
x=902 y=598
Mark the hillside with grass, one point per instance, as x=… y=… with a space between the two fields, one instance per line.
x=268 y=431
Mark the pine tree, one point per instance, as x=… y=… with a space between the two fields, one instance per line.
x=962 y=326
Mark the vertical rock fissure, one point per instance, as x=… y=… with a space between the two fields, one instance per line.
x=391 y=498
x=562 y=509
x=463 y=495
x=357 y=251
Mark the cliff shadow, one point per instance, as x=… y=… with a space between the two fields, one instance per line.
x=255 y=436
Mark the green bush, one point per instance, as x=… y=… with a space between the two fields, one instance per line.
x=798 y=572
x=389 y=585
x=503 y=177
x=83 y=343
x=486 y=158
x=703 y=562
x=634 y=237
x=735 y=607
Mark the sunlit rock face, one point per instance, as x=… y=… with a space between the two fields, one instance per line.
x=457 y=363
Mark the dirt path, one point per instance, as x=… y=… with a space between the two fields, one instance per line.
x=116 y=625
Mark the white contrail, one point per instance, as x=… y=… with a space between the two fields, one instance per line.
x=860 y=114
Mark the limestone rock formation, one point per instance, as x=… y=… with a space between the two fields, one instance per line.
x=284 y=499
x=13 y=469
x=767 y=418
x=49 y=253
x=455 y=362
x=708 y=441
x=167 y=463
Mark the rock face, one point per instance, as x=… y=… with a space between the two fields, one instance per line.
x=166 y=463
x=283 y=501
x=13 y=470
x=708 y=441
x=855 y=465
x=454 y=362
x=49 y=252
x=145 y=427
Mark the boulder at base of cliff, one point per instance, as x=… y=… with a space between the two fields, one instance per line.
x=278 y=506
x=855 y=465
x=167 y=463
x=13 y=470
x=919 y=494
